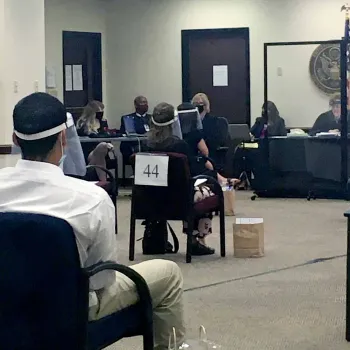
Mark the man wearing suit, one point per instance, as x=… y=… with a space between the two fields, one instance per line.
x=141 y=121
x=330 y=120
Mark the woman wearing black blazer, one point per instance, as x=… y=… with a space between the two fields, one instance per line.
x=273 y=126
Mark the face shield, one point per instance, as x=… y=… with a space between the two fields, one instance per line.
x=190 y=120
x=175 y=125
x=74 y=162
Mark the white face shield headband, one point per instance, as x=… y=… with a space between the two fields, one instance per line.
x=175 y=124
x=46 y=133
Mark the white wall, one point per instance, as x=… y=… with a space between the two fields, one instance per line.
x=296 y=96
x=144 y=42
x=22 y=38
x=72 y=15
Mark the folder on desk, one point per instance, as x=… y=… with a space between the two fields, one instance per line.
x=250 y=145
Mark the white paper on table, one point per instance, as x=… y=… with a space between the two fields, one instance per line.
x=69 y=79
x=249 y=221
x=220 y=75
x=50 y=77
x=78 y=77
x=327 y=134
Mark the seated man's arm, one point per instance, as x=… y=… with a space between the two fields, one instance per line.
x=104 y=244
x=282 y=128
x=122 y=125
x=320 y=125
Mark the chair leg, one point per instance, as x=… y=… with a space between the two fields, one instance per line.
x=148 y=341
x=222 y=230
x=132 y=237
x=114 y=200
x=189 y=239
x=123 y=173
x=116 y=220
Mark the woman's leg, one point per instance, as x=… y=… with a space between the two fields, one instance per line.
x=202 y=225
x=225 y=181
x=202 y=228
x=221 y=179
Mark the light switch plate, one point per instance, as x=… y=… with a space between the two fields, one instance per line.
x=15 y=86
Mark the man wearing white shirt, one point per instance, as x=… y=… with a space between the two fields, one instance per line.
x=37 y=185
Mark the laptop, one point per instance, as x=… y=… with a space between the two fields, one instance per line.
x=239 y=132
x=130 y=126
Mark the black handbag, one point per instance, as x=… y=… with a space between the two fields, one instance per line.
x=155 y=239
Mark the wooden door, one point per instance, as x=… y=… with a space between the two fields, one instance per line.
x=202 y=50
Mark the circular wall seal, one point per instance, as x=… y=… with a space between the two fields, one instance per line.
x=325 y=68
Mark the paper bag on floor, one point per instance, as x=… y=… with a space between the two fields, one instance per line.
x=202 y=343
x=248 y=238
x=229 y=200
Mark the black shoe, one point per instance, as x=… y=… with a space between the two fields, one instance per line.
x=169 y=248
x=200 y=249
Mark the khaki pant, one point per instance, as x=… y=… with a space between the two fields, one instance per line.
x=165 y=282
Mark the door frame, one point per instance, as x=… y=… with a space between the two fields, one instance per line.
x=98 y=36
x=202 y=33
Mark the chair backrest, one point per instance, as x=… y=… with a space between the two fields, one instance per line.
x=171 y=202
x=223 y=134
x=44 y=292
x=88 y=147
x=239 y=132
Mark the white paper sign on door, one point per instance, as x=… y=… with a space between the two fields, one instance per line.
x=220 y=75
x=69 y=78
x=78 y=77
x=151 y=170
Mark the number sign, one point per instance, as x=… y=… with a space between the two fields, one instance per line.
x=151 y=170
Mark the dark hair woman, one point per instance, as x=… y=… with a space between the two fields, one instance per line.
x=270 y=123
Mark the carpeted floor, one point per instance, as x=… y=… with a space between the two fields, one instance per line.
x=285 y=300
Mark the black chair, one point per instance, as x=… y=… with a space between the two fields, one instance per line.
x=125 y=163
x=176 y=202
x=111 y=158
x=44 y=291
x=223 y=139
x=236 y=159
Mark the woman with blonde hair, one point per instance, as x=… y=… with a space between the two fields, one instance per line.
x=201 y=101
x=211 y=131
x=91 y=121
x=192 y=133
